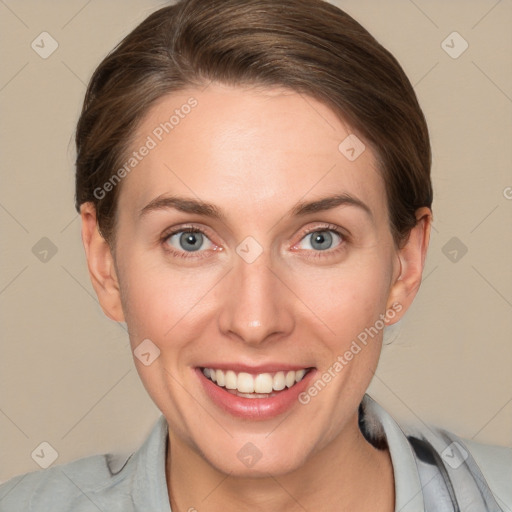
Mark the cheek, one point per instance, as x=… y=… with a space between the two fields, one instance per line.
x=348 y=298
x=158 y=300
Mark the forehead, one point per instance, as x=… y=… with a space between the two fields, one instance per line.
x=247 y=147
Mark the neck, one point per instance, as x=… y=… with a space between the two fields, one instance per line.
x=347 y=474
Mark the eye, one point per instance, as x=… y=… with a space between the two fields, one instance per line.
x=186 y=240
x=322 y=239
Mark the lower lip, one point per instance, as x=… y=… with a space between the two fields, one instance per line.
x=254 y=408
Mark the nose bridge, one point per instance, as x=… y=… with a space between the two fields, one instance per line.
x=256 y=306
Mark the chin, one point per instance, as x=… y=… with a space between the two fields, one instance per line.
x=249 y=462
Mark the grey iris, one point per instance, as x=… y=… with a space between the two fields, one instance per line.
x=321 y=240
x=194 y=239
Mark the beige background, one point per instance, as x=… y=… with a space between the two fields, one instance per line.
x=66 y=372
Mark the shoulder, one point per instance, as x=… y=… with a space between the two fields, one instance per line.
x=114 y=483
x=78 y=486
x=495 y=463
x=445 y=469
x=473 y=472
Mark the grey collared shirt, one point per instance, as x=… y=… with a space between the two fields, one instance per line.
x=434 y=471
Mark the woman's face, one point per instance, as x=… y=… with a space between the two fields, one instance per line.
x=273 y=288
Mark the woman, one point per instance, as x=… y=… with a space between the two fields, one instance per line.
x=253 y=179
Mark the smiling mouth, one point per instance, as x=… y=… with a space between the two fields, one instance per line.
x=261 y=385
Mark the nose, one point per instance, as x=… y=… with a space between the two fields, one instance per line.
x=257 y=306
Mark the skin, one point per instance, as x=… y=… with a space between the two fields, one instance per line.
x=255 y=153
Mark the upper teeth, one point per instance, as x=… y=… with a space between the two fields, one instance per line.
x=260 y=383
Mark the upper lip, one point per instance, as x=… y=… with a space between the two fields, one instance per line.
x=256 y=369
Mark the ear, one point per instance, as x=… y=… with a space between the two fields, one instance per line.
x=412 y=261
x=101 y=264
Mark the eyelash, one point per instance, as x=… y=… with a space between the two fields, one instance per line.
x=203 y=254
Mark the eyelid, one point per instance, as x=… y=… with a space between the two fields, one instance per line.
x=326 y=226
x=185 y=227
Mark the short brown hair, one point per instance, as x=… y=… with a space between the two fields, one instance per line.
x=308 y=46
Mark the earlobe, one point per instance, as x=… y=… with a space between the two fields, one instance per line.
x=100 y=263
x=412 y=261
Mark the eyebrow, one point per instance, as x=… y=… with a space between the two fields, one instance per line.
x=302 y=208
x=328 y=203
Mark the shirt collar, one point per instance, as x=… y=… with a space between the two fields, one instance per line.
x=408 y=490
x=150 y=484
